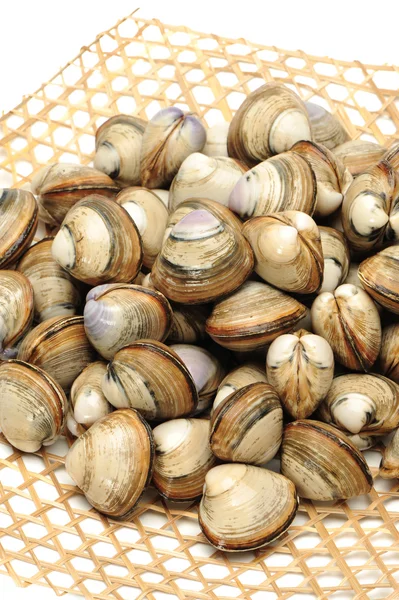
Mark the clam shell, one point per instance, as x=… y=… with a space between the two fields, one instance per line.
x=326 y=128
x=16 y=311
x=389 y=355
x=32 y=406
x=389 y=467
x=201 y=260
x=150 y=216
x=269 y=121
x=253 y=316
x=247 y=426
x=288 y=252
x=60 y=347
x=200 y=176
x=379 y=275
x=366 y=210
x=118 y=314
x=153 y=379
x=359 y=155
x=300 y=366
x=169 y=137
x=188 y=324
x=245 y=507
x=365 y=405
x=216 y=140
x=238 y=378
x=98 y=242
x=284 y=182
x=88 y=402
x=162 y=195
x=18 y=224
x=118 y=148
x=322 y=462
x=333 y=179
x=112 y=462
x=59 y=186
x=392 y=156
x=336 y=258
x=348 y=319
x=205 y=369
x=182 y=458
x=56 y=294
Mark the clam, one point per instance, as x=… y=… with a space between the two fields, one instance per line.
x=60 y=185
x=242 y=376
x=336 y=258
x=118 y=148
x=201 y=176
x=379 y=275
x=118 y=314
x=353 y=275
x=202 y=259
x=284 y=182
x=247 y=426
x=361 y=405
x=253 y=316
x=169 y=137
x=56 y=294
x=150 y=216
x=389 y=467
x=162 y=195
x=369 y=211
x=16 y=311
x=322 y=462
x=153 y=379
x=205 y=369
x=98 y=242
x=245 y=507
x=182 y=458
x=300 y=366
x=60 y=347
x=288 y=252
x=359 y=155
x=348 y=319
x=188 y=324
x=112 y=462
x=32 y=406
x=392 y=156
x=269 y=121
x=326 y=128
x=216 y=140
x=18 y=224
x=333 y=179
x=88 y=403
x=389 y=356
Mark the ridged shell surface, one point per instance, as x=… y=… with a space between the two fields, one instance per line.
x=16 y=311
x=18 y=224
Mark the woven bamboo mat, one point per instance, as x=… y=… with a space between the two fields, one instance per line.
x=49 y=535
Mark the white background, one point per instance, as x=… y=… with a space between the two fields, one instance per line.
x=38 y=37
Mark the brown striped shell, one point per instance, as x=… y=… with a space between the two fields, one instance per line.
x=336 y=258
x=326 y=128
x=389 y=467
x=188 y=324
x=379 y=275
x=389 y=355
x=16 y=311
x=18 y=224
x=359 y=155
x=238 y=378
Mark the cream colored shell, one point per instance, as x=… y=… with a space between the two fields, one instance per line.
x=16 y=311
x=336 y=258
x=389 y=467
x=326 y=128
x=389 y=355
x=359 y=155
x=241 y=376
x=216 y=140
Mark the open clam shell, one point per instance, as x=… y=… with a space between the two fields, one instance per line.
x=59 y=186
x=288 y=252
x=269 y=121
x=112 y=462
x=182 y=458
x=18 y=224
x=60 y=347
x=300 y=366
x=150 y=216
x=16 y=311
x=322 y=462
x=389 y=467
x=153 y=379
x=349 y=320
x=247 y=426
x=379 y=276
x=336 y=258
x=326 y=128
x=33 y=407
x=389 y=355
x=253 y=316
x=245 y=507
x=359 y=155
x=238 y=378
x=201 y=260
x=216 y=140
x=98 y=242
x=118 y=148
x=56 y=294
x=118 y=314
x=284 y=182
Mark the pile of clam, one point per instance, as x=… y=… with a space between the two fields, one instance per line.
x=202 y=302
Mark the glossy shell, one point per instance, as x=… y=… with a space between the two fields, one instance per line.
x=336 y=258
x=389 y=355
x=18 y=224
x=379 y=276
x=216 y=140
x=238 y=378
x=188 y=324
x=359 y=155
x=389 y=467
x=322 y=462
x=16 y=311
x=326 y=128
